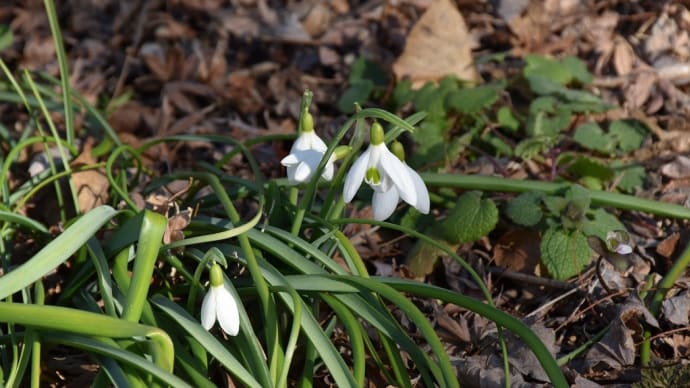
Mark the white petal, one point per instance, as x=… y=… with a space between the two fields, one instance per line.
x=316 y=142
x=328 y=170
x=355 y=176
x=303 y=142
x=384 y=203
x=302 y=173
x=400 y=176
x=289 y=160
x=208 y=308
x=228 y=314
x=423 y=202
x=624 y=249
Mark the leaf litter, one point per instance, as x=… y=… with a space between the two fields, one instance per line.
x=238 y=68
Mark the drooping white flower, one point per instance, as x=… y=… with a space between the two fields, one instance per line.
x=219 y=304
x=306 y=154
x=390 y=178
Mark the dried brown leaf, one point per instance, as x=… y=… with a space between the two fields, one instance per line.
x=676 y=309
x=438 y=45
x=92 y=185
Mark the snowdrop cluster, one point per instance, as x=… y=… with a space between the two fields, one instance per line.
x=384 y=171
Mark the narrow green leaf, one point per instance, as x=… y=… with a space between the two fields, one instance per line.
x=56 y=252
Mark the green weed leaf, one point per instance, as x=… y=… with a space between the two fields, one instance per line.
x=471 y=218
x=547 y=68
x=632 y=178
x=577 y=69
x=564 y=254
x=525 y=209
x=584 y=166
x=600 y=222
x=473 y=100
x=506 y=119
x=629 y=134
x=591 y=136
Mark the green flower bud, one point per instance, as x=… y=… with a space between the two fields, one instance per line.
x=398 y=150
x=341 y=151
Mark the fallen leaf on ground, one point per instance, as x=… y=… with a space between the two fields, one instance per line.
x=92 y=185
x=438 y=45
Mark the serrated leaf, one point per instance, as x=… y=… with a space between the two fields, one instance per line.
x=506 y=119
x=525 y=209
x=543 y=124
x=530 y=147
x=471 y=219
x=430 y=142
x=591 y=136
x=629 y=134
x=564 y=254
x=584 y=166
x=555 y=205
x=632 y=178
x=473 y=100
x=600 y=222
x=550 y=69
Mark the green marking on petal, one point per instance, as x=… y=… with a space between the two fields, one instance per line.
x=373 y=176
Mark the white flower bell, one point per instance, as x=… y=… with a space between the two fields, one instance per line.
x=219 y=304
x=306 y=154
x=390 y=178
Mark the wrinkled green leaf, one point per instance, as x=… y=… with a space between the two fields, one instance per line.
x=632 y=178
x=600 y=222
x=473 y=100
x=547 y=68
x=629 y=134
x=584 y=166
x=591 y=136
x=525 y=209
x=471 y=218
x=564 y=254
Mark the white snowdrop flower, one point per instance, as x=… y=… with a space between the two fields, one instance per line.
x=306 y=154
x=219 y=304
x=390 y=178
